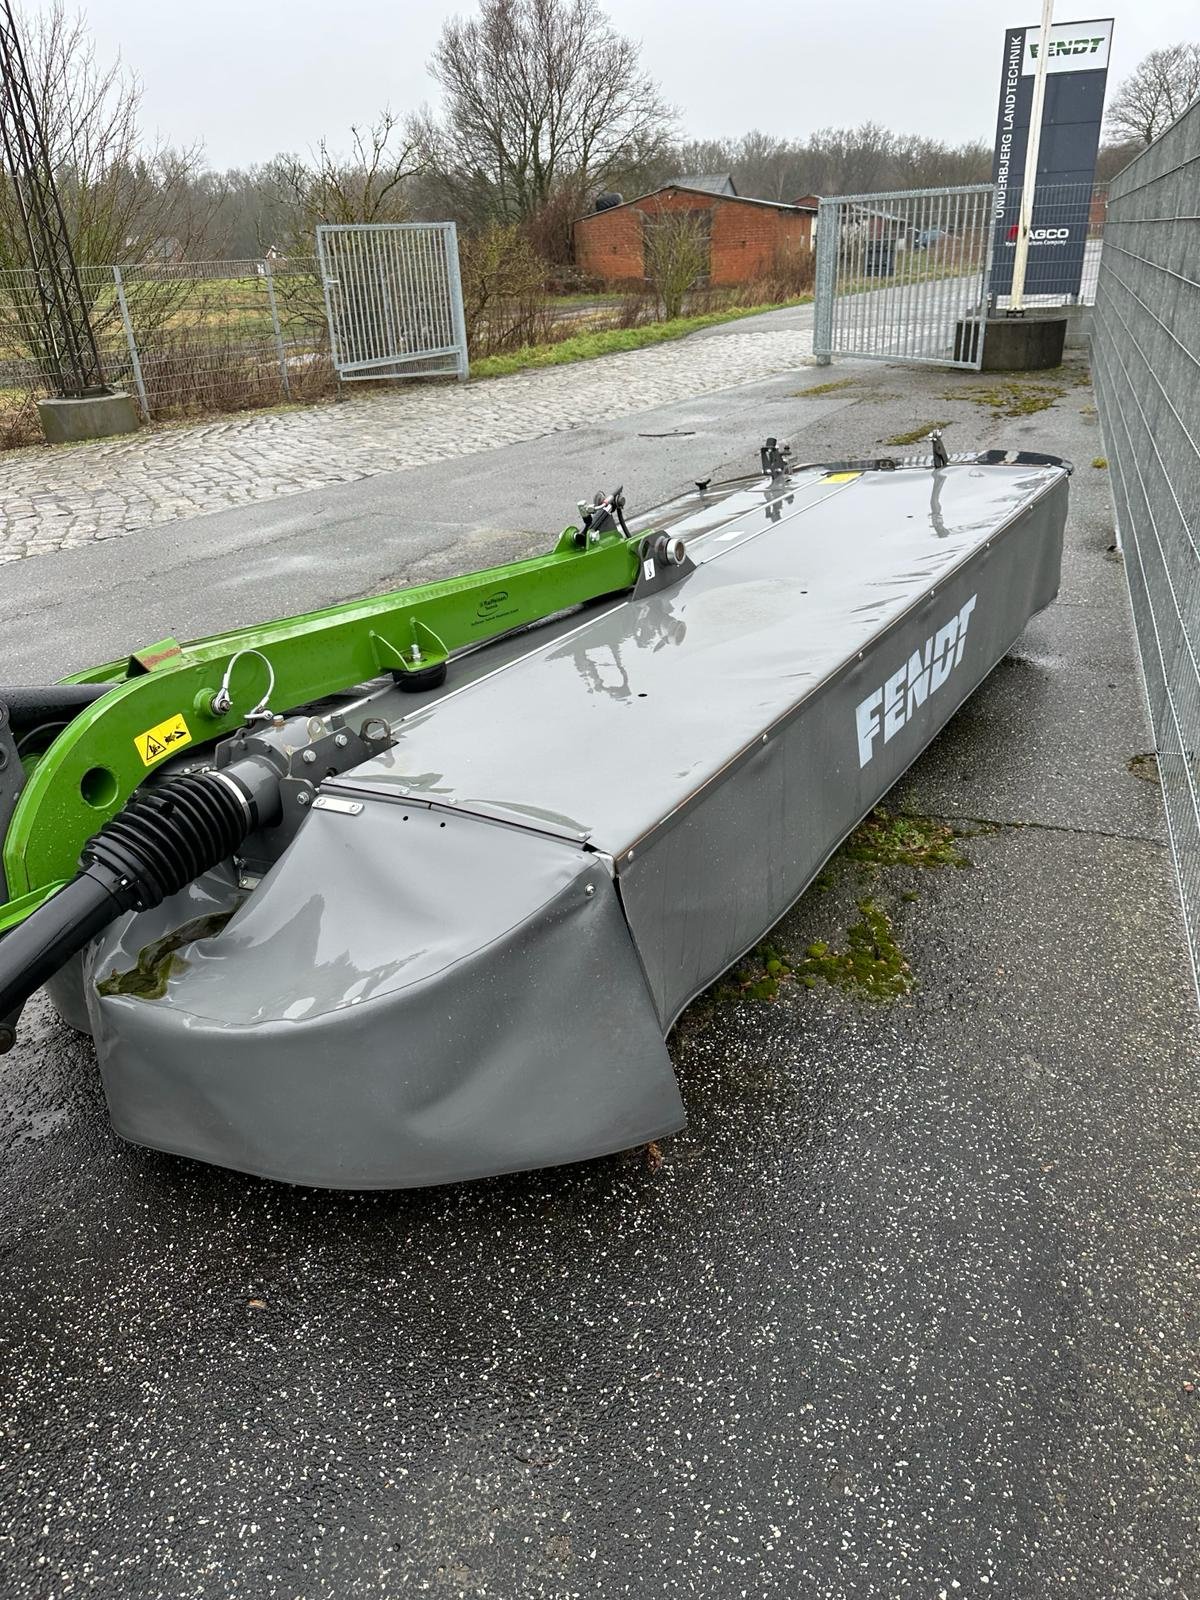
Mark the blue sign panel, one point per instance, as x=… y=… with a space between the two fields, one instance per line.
x=1076 y=76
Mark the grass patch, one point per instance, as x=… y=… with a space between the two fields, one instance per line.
x=1011 y=399
x=916 y=434
x=870 y=964
x=824 y=388
x=887 y=841
x=586 y=346
x=1100 y=462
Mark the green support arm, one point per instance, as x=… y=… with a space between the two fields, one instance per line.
x=166 y=699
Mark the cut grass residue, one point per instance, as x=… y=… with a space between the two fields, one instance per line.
x=1011 y=399
x=912 y=437
x=587 y=346
x=884 y=840
x=1145 y=766
x=1100 y=462
x=157 y=963
x=824 y=388
x=871 y=963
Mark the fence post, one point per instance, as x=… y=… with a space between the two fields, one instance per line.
x=269 y=275
x=458 y=319
x=134 y=358
x=828 y=219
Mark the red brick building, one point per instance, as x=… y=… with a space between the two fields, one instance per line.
x=747 y=238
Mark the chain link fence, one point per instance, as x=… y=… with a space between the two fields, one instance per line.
x=183 y=338
x=1146 y=371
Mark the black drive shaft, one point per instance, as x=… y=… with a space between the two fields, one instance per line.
x=164 y=838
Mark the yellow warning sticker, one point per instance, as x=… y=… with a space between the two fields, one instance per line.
x=842 y=477
x=158 y=742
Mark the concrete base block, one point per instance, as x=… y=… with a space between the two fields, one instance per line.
x=99 y=416
x=1014 y=344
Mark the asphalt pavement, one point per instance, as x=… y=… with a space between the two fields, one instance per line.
x=908 y=1310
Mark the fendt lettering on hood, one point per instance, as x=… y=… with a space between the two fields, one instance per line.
x=889 y=707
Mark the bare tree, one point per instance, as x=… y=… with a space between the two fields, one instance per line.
x=1114 y=156
x=1156 y=93
x=539 y=97
x=833 y=161
x=367 y=185
x=123 y=201
x=677 y=253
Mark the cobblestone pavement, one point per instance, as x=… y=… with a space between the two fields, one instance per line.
x=58 y=499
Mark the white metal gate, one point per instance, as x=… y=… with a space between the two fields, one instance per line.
x=903 y=276
x=393 y=297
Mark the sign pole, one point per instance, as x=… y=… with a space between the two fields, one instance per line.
x=1029 y=186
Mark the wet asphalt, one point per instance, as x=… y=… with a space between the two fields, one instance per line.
x=908 y=1310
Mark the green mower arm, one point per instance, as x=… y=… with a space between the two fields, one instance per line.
x=170 y=697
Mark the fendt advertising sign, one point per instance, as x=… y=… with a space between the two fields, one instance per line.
x=1076 y=75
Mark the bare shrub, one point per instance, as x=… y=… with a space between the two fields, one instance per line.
x=677 y=254
x=636 y=308
x=504 y=294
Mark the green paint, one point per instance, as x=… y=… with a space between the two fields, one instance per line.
x=63 y=802
x=158 y=963
x=916 y=434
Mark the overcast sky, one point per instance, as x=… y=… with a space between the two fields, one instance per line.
x=252 y=77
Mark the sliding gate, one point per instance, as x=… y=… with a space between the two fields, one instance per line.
x=903 y=276
x=393 y=298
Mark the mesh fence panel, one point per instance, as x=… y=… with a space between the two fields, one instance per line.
x=1146 y=370
x=185 y=338
x=901 y=275
x=1064 y=244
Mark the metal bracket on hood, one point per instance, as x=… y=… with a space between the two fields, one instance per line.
x=663 y=562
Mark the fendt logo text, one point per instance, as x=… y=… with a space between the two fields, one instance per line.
x=1068 y=47
x=894 y=703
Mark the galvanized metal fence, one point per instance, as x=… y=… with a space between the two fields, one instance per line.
x=394 y=299
x=1064 y=244
x=1146 y=371
x=902 y=276
x=183 y=337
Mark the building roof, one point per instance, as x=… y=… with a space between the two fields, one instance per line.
x=688 y=188
x=708 y=183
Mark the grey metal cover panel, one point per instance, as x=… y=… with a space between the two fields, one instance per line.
x=606 y=732
x=708 y=885
x=407 y=999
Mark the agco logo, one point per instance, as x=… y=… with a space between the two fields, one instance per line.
x=1040 y=235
